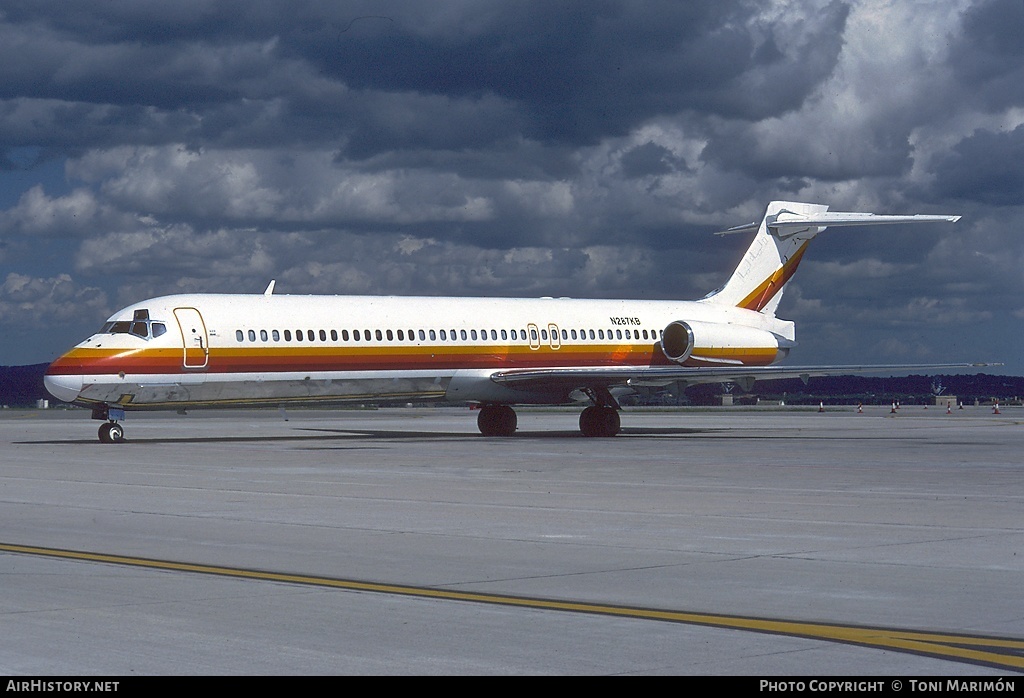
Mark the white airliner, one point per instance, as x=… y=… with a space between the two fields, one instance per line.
x=228 y=350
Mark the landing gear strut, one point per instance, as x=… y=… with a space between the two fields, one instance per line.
x=601 y=418
x=496 y=420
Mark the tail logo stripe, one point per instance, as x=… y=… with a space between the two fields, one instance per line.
x=762 y=295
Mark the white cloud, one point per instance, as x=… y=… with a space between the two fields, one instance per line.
x=35 y=302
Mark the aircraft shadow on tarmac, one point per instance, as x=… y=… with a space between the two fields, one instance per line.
x=321 y=434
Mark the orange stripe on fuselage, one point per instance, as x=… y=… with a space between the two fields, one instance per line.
x=763 y=294
x=269 y=360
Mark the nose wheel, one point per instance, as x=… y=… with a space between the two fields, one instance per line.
x=111 y=433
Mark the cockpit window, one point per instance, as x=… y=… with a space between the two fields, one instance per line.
x=140 y=325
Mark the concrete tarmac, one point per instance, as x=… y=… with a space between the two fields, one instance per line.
x=725 y=541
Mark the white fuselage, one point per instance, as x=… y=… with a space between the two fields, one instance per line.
x=217 y=350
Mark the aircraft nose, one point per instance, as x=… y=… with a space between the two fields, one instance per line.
x=63 y=387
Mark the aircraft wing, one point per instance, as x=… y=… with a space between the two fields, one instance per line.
x=569 y=379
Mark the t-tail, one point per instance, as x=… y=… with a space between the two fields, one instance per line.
x=779 y=245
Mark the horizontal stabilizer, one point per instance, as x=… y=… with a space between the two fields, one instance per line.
x=786 y=223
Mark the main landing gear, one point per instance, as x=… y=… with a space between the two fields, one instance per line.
x=496 y=420
x=600 y=419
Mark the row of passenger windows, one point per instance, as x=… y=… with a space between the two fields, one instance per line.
x=443 y=335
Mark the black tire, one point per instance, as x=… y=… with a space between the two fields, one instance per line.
x=599 y=421
x=497 y=420
x=111 y=433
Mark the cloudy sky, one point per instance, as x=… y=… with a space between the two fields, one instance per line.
x=515 y=148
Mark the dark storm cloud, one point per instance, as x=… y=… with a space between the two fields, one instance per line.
x=583 y=71
x=385 y=76
x=988 y=56
x=985 y=167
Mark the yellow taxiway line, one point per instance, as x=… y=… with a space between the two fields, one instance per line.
x=1001 y=653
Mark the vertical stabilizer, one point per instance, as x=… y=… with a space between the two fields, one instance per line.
x=771 y=259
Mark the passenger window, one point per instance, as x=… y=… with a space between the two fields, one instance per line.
x=323 y=336
x=390 y=335
x=239 y=336
x=344 y=335
x=472 y=334
x=379 y=336
x=544 y=335
x=298 y=335
x=618 y=334
x=276 y=335
x=574 y=334
x=287 y=335
x=423 y=336
x=401 y=335
x=433 y=335
x=263 y=335
x=443 y=336
x=514 y=338
x=252 y=335
x=463 y=335
x=565 y=335
x=503 y=335
x=453 y=335
x=310 y=335
x=334 y=335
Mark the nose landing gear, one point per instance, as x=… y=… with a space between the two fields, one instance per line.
x=111 y=433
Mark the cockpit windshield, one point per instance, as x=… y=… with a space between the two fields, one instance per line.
x=140 y=325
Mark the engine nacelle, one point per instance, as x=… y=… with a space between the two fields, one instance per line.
x=721 y=344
